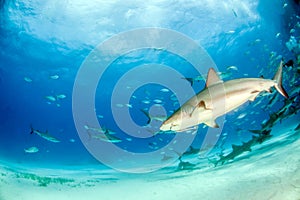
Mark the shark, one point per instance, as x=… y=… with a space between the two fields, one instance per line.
x=219 y=98
x=44 y=135
x=103 y=134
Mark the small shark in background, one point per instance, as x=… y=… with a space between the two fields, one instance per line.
x=44 y=135
x=103 y=134
x=219 y=98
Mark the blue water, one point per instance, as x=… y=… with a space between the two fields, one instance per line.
x=44 y=43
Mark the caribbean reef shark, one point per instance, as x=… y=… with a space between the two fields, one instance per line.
x=219 y=98
x=44 y=135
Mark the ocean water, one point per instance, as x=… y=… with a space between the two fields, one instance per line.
x=86 y=86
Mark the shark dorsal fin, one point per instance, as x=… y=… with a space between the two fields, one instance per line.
x=212 y=78
x=235 y=147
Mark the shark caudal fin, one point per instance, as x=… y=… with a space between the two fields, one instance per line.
x=190 y=80
x=147 y=115
x=278 y=79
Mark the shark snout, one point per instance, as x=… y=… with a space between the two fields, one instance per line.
x=169 y=126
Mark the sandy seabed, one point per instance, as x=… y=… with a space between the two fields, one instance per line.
x=272 y=172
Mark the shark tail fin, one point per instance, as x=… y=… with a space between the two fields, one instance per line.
x=147 y=115
x=31 y=129
x=278 y=79
x=190 y=80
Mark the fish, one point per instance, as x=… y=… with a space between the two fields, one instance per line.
x=219 y=98
x=146 y=101
x=50 y=98
x=72 y=140
x=230 y=32
x=119 y=105
x=31 y=150
x=242 y=115
x=232 y=68
x=44 y=135
x=164 y=90
x=54 y=77
x=158 y=101
x=128 y=105
x=100 y=116
x=27 y=79
x=61 y=96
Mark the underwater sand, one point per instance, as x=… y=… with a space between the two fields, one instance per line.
x=270 y=171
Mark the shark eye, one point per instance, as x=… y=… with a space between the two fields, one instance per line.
x=173 y=125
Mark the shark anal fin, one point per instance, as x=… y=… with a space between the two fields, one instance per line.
x=212 y=124
x=212 y=78
x=253 y=95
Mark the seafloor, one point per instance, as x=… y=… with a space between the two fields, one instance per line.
x=269 y=171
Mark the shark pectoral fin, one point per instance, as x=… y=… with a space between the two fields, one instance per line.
x=212 y=124
x=204 y=105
